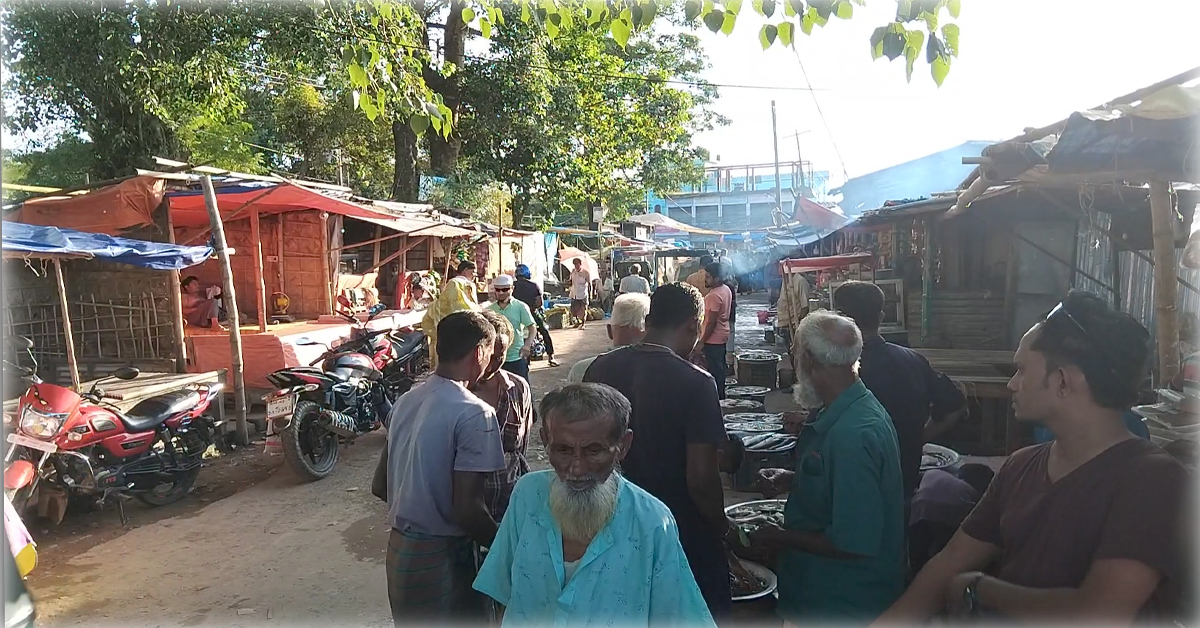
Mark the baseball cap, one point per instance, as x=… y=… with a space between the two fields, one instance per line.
x=502 y=281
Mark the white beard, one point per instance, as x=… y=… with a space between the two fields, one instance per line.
x=804 y=393
x=581 y=515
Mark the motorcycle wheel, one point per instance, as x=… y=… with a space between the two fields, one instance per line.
x=309 y=448
x=176 y=490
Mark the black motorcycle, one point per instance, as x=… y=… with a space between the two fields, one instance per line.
x=315 y=410
x=401 y=355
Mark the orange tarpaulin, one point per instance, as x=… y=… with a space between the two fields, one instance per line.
x=110 y=210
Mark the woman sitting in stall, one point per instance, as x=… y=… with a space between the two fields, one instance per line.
x=201 y=306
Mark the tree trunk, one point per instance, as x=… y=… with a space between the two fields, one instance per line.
x=406 y=183
x=443 y=154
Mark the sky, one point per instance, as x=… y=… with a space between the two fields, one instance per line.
x=1021 y=64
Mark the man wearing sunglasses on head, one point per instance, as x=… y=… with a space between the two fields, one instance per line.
x=1089 y=527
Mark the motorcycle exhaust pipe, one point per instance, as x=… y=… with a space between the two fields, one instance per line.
x=339 y=423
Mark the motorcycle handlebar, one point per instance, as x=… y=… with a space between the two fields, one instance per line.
x=114 y=396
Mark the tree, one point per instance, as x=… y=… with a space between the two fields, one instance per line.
x=66 y=163
x=583 y=121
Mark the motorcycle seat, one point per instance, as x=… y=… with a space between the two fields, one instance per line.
x=153 y=412
x=409 y=344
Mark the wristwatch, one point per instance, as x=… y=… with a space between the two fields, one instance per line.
x=971 y=596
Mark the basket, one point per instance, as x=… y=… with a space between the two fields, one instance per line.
x=757 y=368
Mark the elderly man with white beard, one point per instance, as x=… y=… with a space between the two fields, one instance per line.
x=842 y=556
x=580 y=545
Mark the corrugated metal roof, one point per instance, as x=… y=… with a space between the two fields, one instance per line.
x=413 y=226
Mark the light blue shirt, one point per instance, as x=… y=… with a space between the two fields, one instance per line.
x=634 y=573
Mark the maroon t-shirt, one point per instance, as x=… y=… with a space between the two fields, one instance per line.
x=1129 y=502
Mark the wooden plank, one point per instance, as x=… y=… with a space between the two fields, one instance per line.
x=325 y=253
x=66 y=324
x=230 y=295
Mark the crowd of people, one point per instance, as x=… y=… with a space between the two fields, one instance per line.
x=629 y=525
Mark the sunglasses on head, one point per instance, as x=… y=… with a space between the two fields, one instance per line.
x=1061 y=310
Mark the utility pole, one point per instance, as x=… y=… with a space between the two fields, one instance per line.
x=800 y=160
x=775 y=139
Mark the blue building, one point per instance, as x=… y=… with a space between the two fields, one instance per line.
x=735 y=199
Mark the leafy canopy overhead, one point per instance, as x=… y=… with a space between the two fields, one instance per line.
x=369 y=64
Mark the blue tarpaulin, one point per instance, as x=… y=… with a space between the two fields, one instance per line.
x=22 y=238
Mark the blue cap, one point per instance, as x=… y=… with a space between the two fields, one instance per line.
x=523 y=271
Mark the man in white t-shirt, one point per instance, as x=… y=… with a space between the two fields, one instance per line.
x=635 y=282
x=581 y=290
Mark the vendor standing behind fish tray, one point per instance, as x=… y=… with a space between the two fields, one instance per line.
x=842 y=542
x=1087 y=528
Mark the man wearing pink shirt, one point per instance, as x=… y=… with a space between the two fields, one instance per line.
x=716 y=324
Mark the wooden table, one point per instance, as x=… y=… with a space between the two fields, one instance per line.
x=984 y=375
x=148 y=385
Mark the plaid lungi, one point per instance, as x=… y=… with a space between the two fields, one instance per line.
x=430 y=577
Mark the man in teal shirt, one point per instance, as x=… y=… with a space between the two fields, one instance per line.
x=517 y=313
x=581 y=546
x=842 y=541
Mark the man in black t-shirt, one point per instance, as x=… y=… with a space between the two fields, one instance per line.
x=527 y=292
x=677 y=430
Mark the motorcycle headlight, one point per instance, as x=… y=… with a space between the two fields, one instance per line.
x=38 y=425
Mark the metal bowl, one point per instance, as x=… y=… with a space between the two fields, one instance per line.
x=754 y=417
x=760 y=427
x=951 y=455
x=747 y=392
x=730 y=510
x=767 y=575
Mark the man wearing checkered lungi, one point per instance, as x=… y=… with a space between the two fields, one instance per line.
x=443 y=443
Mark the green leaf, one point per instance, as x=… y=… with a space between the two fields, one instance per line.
x=893 y=45
x=525 y=16
x=806 y=24
x=787 y=33
x=348 y=55
x=620 y=32
x=691 y=10
x=715 y=20
x=551 y=24
x=767 y=35
x=358 y=76
x=906 y=11
x=950 y=35
x=596 y=11
x=823 y=9
x=877 y=37
x=931 y=20
x=368 y=108
x=844 y=10
x=912 y=50
x=468 y=15
x=768 y=8
x=649 y=12
x=933 y=49
x=418 y=123
x=940 y=68
x=732 y=6
x=728 y=23
x=954 y=6
x=485 y=27
x=433 y=110
x=381 y=100
x=793 y=8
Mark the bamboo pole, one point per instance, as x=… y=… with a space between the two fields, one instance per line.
x=72 y=363
x=176 y=306
x=378 y=239
x=279 y=250
x=260 y=284
x=1165 y=288
x=230 y=298
x=325 y=253
x=926 y=280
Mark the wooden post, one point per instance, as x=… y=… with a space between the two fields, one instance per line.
x=72 y=363
x=279 y=250
x=926 y=280
x=325 y=263
x=260 y=284
x=1165 y=322
x=230 y=300
x=378 y=238
x=176 y=307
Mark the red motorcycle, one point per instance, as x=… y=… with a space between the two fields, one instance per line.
x=66 y=445
x=400 y=355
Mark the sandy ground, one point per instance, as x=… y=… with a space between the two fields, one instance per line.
x=251 y=546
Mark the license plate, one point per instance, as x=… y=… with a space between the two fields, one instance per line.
x=281 y=406
x=32 y=443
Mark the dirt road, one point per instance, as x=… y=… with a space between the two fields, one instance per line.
x=244 y=550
